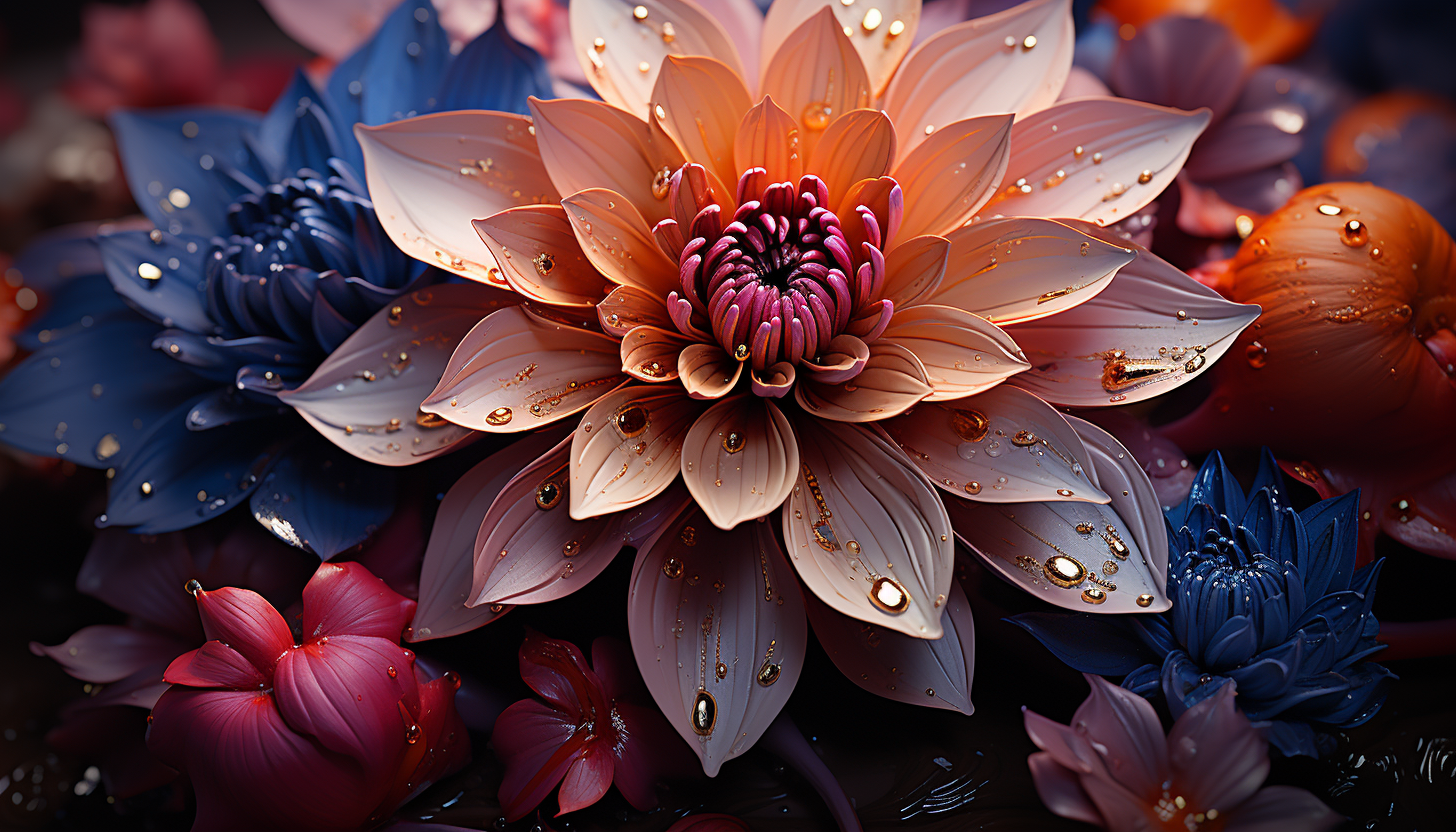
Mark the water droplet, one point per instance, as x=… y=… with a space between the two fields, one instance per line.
x=631 y=420
x=498 y=417
x=1145 y=600
x=1354 y=234
x=1330 y=210
x=639 y=13
x=704 y=714
x=734 y=442
x=193 y=587
x=887 y=594
x=149 y=271
x=392 y=672
x=872 y=20
x=1064 y=571
x=548 y=495
x=1093 y=595
x=1257 y=355
x=545 y=263
x=107 y=447
x=661 y=184
x=768 y=674
x=1029 y=43
x=672 y=568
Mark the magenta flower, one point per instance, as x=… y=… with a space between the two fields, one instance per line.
x=332 y=730
x=1114 y=768
x=586 y=735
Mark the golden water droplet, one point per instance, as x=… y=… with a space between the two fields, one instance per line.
x=734 y=442
x=659 y=111
x=1330 y=210
x=107 y=447
x=689 y=536
x=1024 y=438
x=871 y=20
x=1064 y=571
x=720 y=670
x=179 y=198
x=1195 y=363
x=741 y=352
x=669 y=34
x=599 y=45
x=395 y=313
x=1110 y=567
x=662 y=182
x=1145 y=177
x=1354 y=234
x=155 y=235
x=1084 y=528
x=672 y=568
x=970 y=425
x=639 y=12
x=1078 y=151
x=705 y=713
x=1145 y=600
x=548 y=494
x=1065 y=492
x=852 y=546
x=644 y=67
x=495 y=609
x=1244 y=224
x=816 y=116
x=631 y=420
x=973 y=487
x=897 y=28
x=929 y=128
x=1097 y=158
x=1029 y=43
x=149 y=271
x=571 y=548
x=545 y=263
x=1257 y=355
x=768 y=674
x=193 y=587
x=887 y=594
x=498 y=417
x=1376 y=254
x=146 y=489
x=1093 y=595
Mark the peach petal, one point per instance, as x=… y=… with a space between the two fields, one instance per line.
x=707 y=371
x=858 y=145
x=539 y=257
x=768 y=138
x=962 y=353
x=702 y=102
x=892 y=381
x=817 y=76
x=650 y=353
x=879 y=49
x=915 y=269
x=740 y=460
x=615 y=238
x=950 y=175
x=627 y=448
x=627 y=307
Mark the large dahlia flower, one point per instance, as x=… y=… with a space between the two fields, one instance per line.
x=265 y=290
x=797 y=307
x=1262 y=595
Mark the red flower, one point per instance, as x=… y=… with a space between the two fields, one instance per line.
x=331 y=731
x=585 y=736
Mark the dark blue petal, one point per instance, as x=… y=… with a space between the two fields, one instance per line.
x=1185 y=684
x=495 y=72
x=1233 y=644
x=1270 y=673
x=227 y=407
x=1154 y=633
x=323 y=500
x=330 y=328
x=1270 y=477
x=64 y=267
x=1146 y=681
x=297 y=132
x=1330 y=557
x=1216 y=486
x=88 y=397
x=161 y=275
x=290 y=300
x=219 y=359
x=1293 y=739
x=393 y=76
x=179 y=477
x=72 y=308
x=185 y=167
x=1088 y=643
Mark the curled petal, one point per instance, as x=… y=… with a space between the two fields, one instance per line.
x=968 y=70
x=628 y=307
x=892 y=381
x=346 y=598
x=775 y=382
x=702 y=102
x=962 y=353
x=214 y=665
x=365 y=396
x=588 y=144
x=858 y=145
x=630 y=42
x=538 y=744
x=618 y=242
x=627 y=449
x=515 y=371
x=740 y=460
x=246 y=622
x=1130 y=152
x=768 y=138
x=1004 y=445
x=866 y=531
x=1021 y=268
x=935 y=673
x=707 y=371
x=881 y=197
x=1152 y=329
x=816 y=75
x=843 y=358
x=430 y=176
x=717 y=626
x=651 y=354
x=950 y=175
x=539 y=257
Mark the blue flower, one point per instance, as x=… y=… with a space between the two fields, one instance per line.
x=262 y=255
x=1262 y=595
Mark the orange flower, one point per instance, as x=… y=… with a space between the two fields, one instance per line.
x=1272 y=34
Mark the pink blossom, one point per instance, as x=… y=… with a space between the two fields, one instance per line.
x=1113 y=767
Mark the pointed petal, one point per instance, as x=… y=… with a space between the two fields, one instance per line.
x=214 y=665
x=514 y=372
x=816 y=75
x=1061 y=790
x=866 y=531
x=618 y=242
x=630 y=42
x=962 y=353
x=950 y=175
x=245 y=621
x=1021 y=268
x=628 y=307
x=1127 y=732
x=1004 y=445
x=934 y=673
x=449 y=564
x=915 y=269
x=881 y=40
x=1130 y=153
x=365 y=396
x=1118 y=473
x=651 y=354
x=345 y=598
x=1109 y=350
x=858 y=145
x=700 y=101
x=628 y=447
x=718 y=629
x=968 y=69
x=322 y=500
x=588 y=144
x=707 y=371
x=172 y=291
x=587 y=780
x=105 y=653
x=892 y=381
x=537 y=744
x=768 y=138
x=430 y=176
x=740 y=460
x=539 y=257
x=1215 y=725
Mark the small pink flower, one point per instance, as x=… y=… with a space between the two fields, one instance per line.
x=331 y=730
x=586 y=735
x=1113 y=767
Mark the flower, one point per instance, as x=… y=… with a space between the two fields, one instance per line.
x=159 y=54
x=1242 y=164
x=266 y=291
x=803 y=318
x=587 y=735
x=1383 y=140
x=331 y=730
x=1262 y=595
x=1357 y=283
x=1267 y=28
x=1114 y=768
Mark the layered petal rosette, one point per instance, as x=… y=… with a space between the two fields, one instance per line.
x=261 y=289
x=795 y=287
x=332 y=728
x=1262 y=595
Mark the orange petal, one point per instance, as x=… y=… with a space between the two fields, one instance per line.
x=950 y=175
x=650 y=353
x=515 y=371
x=707 y=371
x=700 y=103
x=858 y=145
x=884 y=198
x=627 y=307
x=881 y=35
x=616 y=39
x=740 y=460
x=769 y=138
x=617 y=241
x=816 y=76
x=430 y=176
x=627 y=448
x=915 y=268
x=969 y=70
x=588 y=144
x=539 y=256
x=962 y=353
x=892 y=381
